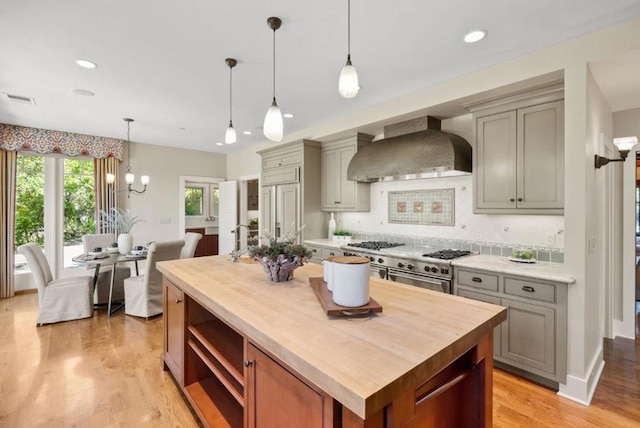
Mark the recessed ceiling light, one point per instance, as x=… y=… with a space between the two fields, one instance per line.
x=475 y=36
x=85 y=63
x=83 y=92
x=246 y=132
x=287 y=115
x=219 y=144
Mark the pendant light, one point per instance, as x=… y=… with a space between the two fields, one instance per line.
x=348 y=85
x=273 y=125
x=230 y=135
x=129 y=176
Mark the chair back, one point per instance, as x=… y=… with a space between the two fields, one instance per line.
x=190 y=243
x=157 y=252
x=91 y=241
x=38 y=265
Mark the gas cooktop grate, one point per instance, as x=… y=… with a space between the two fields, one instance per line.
x=375 y=245
x=447 y=254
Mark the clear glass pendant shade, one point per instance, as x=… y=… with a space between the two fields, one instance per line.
x=273 y=125
x=230 y=135
x=348 y=85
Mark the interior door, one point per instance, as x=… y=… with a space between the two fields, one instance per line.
x=228 y=216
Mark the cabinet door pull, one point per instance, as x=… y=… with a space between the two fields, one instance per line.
x=512 y=200
x=314 y=251
x=248 y=363
x=476 y=279
x=336 y=202
x=519 y=199
x=178 y=301
x=528 y=288
x=332 y=254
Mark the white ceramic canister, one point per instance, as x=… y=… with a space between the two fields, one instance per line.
x=350 y=281
x=327 y=270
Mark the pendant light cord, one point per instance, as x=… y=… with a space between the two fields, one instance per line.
x=349 y=29
x=274 y=64
x=230 y=97
x=128 y=148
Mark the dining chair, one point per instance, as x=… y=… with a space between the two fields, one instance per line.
x=143 y=294
x=101 y=293
x=190 y=243
x=60 y=299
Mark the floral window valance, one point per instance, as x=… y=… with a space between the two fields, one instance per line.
x=44 y=141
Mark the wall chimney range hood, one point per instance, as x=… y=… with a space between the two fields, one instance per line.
x=413 y=149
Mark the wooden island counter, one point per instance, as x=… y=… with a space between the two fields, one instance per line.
x=249 y=352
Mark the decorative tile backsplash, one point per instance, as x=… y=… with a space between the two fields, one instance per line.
x=434 y=207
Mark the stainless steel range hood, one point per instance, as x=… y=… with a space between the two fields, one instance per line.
x=424 y=153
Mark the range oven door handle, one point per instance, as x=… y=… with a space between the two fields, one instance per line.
x=416 y=277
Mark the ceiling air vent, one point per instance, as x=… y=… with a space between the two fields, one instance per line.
x=21 y=99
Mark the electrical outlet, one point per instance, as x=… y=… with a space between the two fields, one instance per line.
x=551 y=238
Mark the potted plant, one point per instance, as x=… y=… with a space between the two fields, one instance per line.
x=120 y=221
x=341 y=235
x=279 y=257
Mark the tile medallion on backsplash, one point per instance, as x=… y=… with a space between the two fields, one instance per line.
x=433 y=207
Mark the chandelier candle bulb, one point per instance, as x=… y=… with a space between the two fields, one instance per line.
x=350 y=281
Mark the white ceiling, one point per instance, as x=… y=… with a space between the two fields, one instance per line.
x=161 y=62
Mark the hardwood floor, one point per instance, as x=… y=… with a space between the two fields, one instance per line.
x=107 y=372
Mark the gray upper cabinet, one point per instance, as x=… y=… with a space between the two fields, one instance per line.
x=290 y=194
x=519 y=156
x=338 y=192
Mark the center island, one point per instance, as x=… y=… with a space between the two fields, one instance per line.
x=249 y=352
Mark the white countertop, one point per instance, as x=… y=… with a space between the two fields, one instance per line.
x=327 y=242
x=540 y=270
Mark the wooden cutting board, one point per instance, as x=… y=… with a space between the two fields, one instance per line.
x=332 y=309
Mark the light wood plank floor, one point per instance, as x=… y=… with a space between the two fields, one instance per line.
x=103 y=372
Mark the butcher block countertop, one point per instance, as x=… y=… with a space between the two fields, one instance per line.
x=364 y=363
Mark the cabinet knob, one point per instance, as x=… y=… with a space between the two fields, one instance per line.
x=178 y=301
x=512 y=200
x=519 y=199
x=248 y=363
x=476 y=279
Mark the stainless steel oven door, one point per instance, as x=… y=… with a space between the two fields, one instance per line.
x=378 y=271
x=419 y=280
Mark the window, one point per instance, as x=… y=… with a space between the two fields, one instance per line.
x=55 y=205
x=194 y=201
x=201 y=200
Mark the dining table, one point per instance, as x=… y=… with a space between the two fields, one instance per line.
x=106 y=259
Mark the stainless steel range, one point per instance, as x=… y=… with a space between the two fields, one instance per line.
x=424 y=267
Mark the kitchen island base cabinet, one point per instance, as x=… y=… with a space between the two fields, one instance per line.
x=235 y=375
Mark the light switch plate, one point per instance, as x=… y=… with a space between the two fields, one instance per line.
x=165 y=220
x=592 y=244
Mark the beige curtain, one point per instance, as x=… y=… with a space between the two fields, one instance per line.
x=8 y=165
x=106 y=194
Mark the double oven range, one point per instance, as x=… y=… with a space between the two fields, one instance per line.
x=423 y=267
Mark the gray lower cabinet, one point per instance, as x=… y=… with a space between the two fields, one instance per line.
x=533 y=339
x=321 y=252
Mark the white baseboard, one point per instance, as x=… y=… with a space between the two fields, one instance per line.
x=581 y=390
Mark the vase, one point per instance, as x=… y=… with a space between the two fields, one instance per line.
x=280 y=269
x=125 y=243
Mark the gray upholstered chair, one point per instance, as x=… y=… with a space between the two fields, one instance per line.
x=143 y=294
x=191 y=240
x=61 y=299
x=101 y=293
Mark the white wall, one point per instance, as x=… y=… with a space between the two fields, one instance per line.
x=159 y=206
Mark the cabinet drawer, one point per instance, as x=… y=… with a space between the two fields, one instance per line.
x=331 y=252
x=530 y=290
x=478 y=280
x=280 y=176
x=285 y=159
x=316 y=253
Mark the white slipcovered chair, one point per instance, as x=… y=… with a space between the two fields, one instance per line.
x=101 y=293
x=61 y=299
x=190 y=243
x=143 y=294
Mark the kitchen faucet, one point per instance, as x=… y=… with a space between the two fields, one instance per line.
x=236 y=253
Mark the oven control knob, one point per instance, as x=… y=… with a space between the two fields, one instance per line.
x=434 y=269
x=372 y=259
x=381 y=260
x=400 y=265
x=410 y=266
